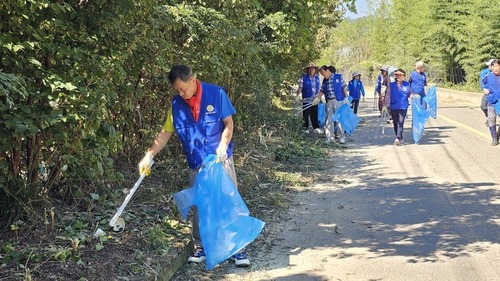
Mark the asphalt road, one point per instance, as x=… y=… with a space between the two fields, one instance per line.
x=413 y=212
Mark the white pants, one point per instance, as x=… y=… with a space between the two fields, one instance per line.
x=331 y=108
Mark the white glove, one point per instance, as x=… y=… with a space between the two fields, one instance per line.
x=315 y=101
x=145 y=164
x=221 y=152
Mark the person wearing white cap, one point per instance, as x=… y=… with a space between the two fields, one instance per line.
x=484 y=72
x=356 y=89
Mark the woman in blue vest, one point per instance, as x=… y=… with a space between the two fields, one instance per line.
x=308 y=88
x=399 y=93
x=491 y=90
x=355 y=89
x=201 y=115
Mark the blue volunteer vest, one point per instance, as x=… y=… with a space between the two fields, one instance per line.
x=199 y=139
x=354 y=89
x=399 y=97
x=418 y=81
x=307 y=91
x=489 y=82
x=337 y=86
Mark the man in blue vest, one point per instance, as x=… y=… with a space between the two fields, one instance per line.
x=201 y=115
x=334 y=90
x=308 y=88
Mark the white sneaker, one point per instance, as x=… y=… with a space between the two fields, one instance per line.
x=397 y=142
x=318 y=131
x=306 y=131
x=342 y=140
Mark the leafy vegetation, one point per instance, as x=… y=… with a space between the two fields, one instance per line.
x=83 y=92
x=454 y=38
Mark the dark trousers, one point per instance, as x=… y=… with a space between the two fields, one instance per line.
x=484 y=105
x=355 y=104
x=398 y=119
x=310 y=113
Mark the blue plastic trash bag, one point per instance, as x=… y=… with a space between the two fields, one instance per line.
x=321 y=114
x=226 y=226
x=431 y=100
x=419 y=117
x=345 y=115
x=349 y=98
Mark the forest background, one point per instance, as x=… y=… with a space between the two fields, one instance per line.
x=83 y=89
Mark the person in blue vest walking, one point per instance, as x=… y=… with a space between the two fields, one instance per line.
x=201 y=115
x=482 y=74
x=356 y=90
x=418 y=82
x=334 y=90
x=491 y=90
x=308 y=88
x=399 y=93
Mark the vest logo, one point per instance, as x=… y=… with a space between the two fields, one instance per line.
x=210 y=109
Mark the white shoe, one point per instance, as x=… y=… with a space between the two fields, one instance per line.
x=306 y=131
x=318 y=131
x=342 y=140
x=397 y=142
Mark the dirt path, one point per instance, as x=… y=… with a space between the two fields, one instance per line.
x=414 y=212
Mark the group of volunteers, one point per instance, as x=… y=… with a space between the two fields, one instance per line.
x=201 y=115
x=489 y=80
x=392 y=89
x=334 y=91
x=394 y=94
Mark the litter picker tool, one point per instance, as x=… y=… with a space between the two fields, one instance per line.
x=307 y=106
x=121 y=224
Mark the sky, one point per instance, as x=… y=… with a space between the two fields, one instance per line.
x=362 y=10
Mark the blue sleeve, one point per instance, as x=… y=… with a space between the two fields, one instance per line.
x=482 y=78
x=227 y=108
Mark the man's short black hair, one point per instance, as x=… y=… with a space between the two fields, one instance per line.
x=180 y=71
x=330 y=67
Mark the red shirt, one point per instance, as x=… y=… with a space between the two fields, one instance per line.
x=194 y=102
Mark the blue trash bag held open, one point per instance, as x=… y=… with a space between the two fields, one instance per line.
x=321 y=114
x=431 y=100
x=226 y=226
x=346 y=117
x=419 y=117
